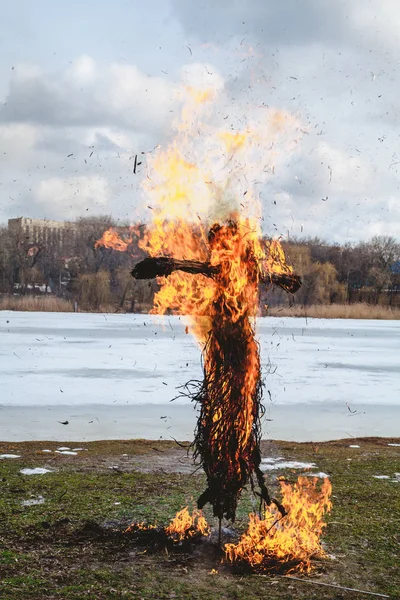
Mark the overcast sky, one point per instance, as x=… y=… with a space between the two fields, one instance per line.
x=84 y=86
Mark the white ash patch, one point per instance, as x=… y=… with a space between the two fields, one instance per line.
x=35 y=471
x=10 y=456
x=381 y=476
x=395 y=445
x=320 y=475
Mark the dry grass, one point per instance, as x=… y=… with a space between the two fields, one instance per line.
x=336 y=311
x=36 y=303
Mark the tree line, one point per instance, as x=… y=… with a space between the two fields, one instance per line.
x=98 y=277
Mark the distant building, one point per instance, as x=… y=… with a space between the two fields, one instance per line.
x=43 y=232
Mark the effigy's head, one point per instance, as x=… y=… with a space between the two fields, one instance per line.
x=218 y=232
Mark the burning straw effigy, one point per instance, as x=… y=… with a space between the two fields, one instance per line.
x=206 y=249
x=228 y=430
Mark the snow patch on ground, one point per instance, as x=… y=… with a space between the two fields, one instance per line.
x=35 y=471
x=62 y=448
x=33 y=501
x=354 y=446
x=69 y=452
x=284 y=464
x=10 y=456
x=397 y=445
x=47 y=450
x=381 y=477
x=320 y=475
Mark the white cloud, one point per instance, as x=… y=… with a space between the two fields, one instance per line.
x=72 y=196
x=17 y=141
x=83 y=95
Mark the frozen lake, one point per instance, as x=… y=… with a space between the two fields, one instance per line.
x=113 y=376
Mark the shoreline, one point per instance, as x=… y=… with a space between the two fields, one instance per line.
x=358 y=310
x=290 y=422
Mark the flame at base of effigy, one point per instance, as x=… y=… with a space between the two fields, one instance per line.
x=272 y=543
x=286 y=544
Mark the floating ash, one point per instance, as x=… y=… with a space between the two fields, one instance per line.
x=276 y=543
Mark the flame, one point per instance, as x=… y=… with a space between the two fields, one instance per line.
x=196 y=181
x=205 y=207
x=292 y=540
x=111 y=239
x=185 y=525
x=142 y=526
x=275 y=261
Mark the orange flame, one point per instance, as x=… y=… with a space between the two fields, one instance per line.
x=139 y=527
x=292 y=540
x=111 y=239
x=185 y=525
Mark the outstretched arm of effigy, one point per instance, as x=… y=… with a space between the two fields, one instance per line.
x=149 y=268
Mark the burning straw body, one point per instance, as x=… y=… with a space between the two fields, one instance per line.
x=228 y=429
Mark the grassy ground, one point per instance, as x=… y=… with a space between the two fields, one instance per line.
x=72 y=546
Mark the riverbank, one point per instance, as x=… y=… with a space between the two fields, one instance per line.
x=359 y=310
x=69 y=544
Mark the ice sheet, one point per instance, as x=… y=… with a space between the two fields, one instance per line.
x=336 y=376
